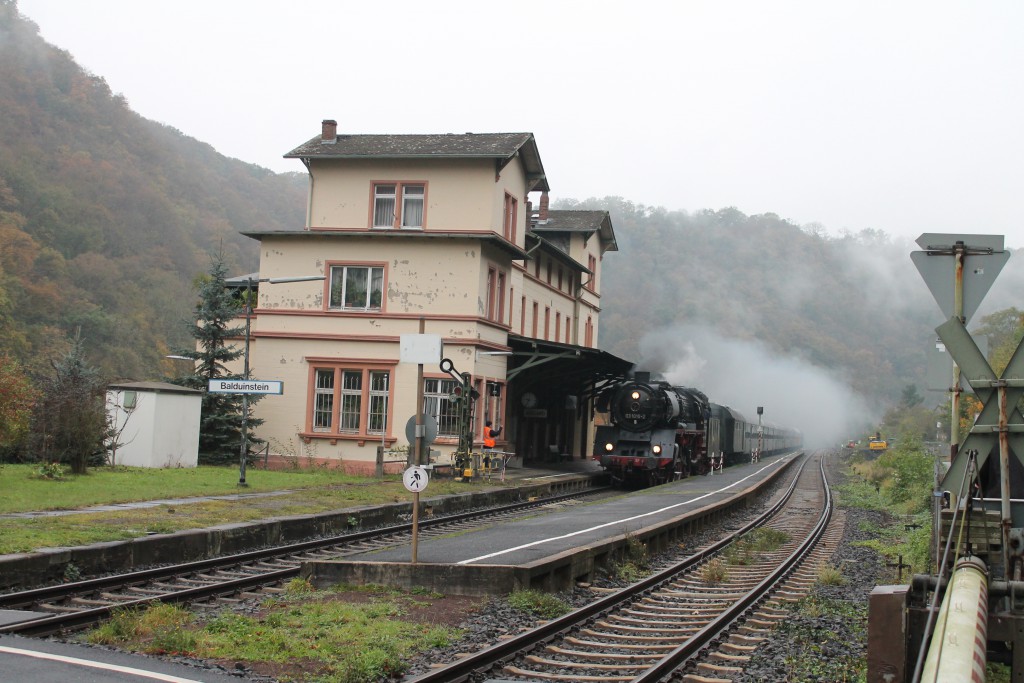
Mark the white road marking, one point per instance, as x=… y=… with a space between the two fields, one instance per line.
x=98 y=665
x=621 y=521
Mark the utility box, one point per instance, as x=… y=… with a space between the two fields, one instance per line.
x=157 y=424
x=887 y=634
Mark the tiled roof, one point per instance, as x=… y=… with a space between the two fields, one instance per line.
x=568 y=220
x=498 y=145
x=561 y=220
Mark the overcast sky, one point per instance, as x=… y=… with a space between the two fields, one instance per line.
x=906 y=116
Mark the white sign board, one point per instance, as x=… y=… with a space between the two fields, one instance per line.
x=246 y=386
x=415 y=478
x=423 y=349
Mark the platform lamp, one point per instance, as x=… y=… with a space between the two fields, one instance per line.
x=760 y=431
x=249 y=280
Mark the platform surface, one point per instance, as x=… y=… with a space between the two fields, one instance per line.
x=27 y=660
x=519 y=542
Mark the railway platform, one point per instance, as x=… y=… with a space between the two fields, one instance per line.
x=552 y=551
x=27 y=660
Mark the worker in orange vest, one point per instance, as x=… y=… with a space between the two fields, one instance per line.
x=489 y=434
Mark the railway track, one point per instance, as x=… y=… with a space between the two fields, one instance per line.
x=695 y=621
x=80 y=604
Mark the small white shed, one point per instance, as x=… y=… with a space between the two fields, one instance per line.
x=158 y=424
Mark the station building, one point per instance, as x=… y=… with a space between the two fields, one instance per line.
x=434 y=234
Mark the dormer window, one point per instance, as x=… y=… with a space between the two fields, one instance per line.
x=398 y=205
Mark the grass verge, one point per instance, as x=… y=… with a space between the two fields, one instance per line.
x=310 y=492
x=303 y=635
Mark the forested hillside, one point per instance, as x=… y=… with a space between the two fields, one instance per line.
x=106 y=218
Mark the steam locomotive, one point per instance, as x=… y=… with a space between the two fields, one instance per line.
x=659 y=433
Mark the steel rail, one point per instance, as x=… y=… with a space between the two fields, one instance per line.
x=677 y=657
x=51 y=624
x=485 y=659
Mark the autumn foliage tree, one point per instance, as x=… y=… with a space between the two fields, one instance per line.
x=69 y=420
x=17 y=397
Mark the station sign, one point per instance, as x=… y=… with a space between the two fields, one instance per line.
x=246 y=386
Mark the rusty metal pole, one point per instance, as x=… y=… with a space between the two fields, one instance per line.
x=958 y=311
x=1004 y=476
x=418 y=453
x=418 y=446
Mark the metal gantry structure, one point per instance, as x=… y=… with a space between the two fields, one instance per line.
x=977 y=579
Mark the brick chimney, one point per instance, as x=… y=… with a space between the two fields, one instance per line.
x=543 y=206
x=330 y=132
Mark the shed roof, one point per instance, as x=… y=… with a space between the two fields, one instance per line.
x=570 y=220
x=155 y=387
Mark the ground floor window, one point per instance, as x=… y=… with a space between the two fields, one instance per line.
x=438 y=403
x=350 y=401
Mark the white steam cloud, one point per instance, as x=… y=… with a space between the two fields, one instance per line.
x=745 y=374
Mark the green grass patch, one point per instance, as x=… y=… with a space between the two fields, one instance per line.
x=26 y=490
x=714 y=571
x=311 y=491
x=635 y=562
x=340 y=642
x=819 y=654
x=538 y=603
x=892 y=542
x=748 y=548
x=830 y=576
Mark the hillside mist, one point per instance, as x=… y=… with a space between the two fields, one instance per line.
x=825 y=332
x=106 y=219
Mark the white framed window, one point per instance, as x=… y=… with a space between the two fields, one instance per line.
x=349 y=401
x=384 y=206
x=437 y=403
x=399 y=205
x=356 y=288
x=323 y=400
x=377 y=417
x=412 y=206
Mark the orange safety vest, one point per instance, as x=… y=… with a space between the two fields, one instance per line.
x=488 y=439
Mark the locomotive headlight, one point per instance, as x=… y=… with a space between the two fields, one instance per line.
x=609 y=447
x=635 y=395
x=656 y=449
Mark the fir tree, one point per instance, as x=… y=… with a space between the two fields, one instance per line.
x=220 y=430
x=69 y=421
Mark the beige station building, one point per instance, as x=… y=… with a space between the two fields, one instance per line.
x=445 y=235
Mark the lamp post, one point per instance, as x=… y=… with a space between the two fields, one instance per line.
x=760 y=432
x=244 y=450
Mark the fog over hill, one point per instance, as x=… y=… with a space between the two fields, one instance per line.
x=107 y=218
x=825 y=333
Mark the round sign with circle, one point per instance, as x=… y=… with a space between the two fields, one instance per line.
x=415 y=478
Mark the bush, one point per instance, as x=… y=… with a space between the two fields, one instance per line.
x=543 y=605
x=912 y=475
